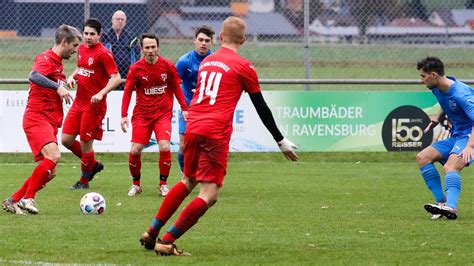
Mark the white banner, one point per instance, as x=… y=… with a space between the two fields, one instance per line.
x=249 y=132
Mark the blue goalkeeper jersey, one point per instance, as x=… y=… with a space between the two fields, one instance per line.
x=458 y=104
x=188 y=67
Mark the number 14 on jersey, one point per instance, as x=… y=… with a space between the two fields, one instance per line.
x=209 y=86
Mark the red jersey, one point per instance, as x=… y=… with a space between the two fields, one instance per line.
x=45 y=103
x=222 y=78
x=95 y=66
x=155 y=86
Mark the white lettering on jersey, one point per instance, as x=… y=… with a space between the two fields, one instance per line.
x=85 y=72
x=156 y=90
x=216 y=64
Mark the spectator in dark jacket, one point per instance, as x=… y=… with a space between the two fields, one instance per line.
x=122 y=44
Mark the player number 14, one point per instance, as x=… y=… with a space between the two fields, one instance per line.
x=209 y=86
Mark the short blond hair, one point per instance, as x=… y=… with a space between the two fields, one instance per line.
x=233 y=30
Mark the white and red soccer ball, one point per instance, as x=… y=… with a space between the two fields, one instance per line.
x=92 y=203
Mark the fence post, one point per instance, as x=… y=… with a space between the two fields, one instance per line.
x=87 y=9
x=306 y=44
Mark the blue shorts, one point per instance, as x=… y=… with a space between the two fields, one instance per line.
x=181 y=123
x=450 y=146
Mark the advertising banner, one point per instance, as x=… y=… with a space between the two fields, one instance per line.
x=315 y=121
x=354 y=121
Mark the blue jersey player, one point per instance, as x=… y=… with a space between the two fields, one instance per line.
x=188 y=67
x=457 y=102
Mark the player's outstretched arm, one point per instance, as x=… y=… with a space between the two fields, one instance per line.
x=265 y=114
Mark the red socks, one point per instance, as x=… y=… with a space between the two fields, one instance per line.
x=165 y=166
x=170 y=204
x=39 y=177
x=187 y=218
x=87 y=163
x=135 y=165
x=76 y=149
x=21 y=192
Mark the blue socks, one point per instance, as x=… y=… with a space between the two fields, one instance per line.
x=181 y=161
x=156 y=224
x=433 y=181
x=453 y=188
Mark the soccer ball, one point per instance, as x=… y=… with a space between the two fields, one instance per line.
x=92 y=203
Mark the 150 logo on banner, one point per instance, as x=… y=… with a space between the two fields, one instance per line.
x=403 y=129
x=405 y=134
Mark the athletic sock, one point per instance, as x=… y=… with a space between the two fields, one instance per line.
x=433 y=181
x=453 y=188
x=21 y=192
x=87 y=163
x=186 y=219
x=181 y=161
x=169 y=206
x=136 y=180
x=76 y=149
x=39 y=177
x=165 y=166
x=135 y=165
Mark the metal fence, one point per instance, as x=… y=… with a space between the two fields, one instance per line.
x=287 y=39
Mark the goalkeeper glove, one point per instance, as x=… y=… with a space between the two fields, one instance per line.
x=288 y=149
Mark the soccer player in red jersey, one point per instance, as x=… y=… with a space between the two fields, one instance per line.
x=44 y=115
x=96 y=75
x=155 y=81
x=222 y=78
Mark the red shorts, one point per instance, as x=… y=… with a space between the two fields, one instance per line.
x=39 y=133
x=141 y=132
x=85 y=122
x=205 y=159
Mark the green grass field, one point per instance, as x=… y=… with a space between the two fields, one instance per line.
x=329 y=208
x=285 y=60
